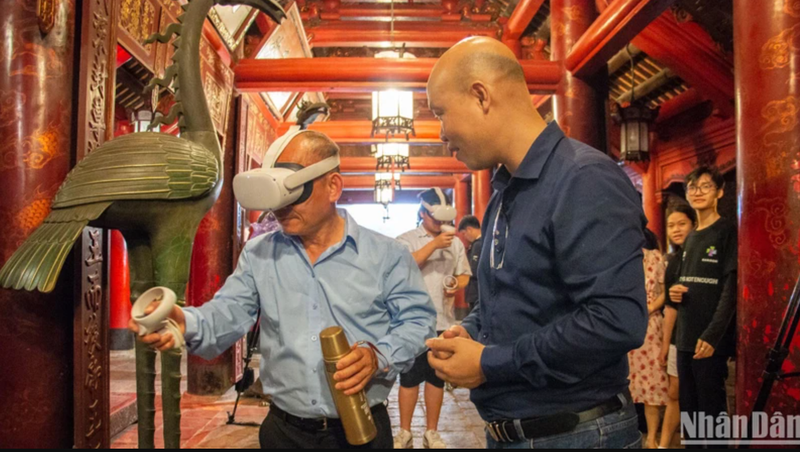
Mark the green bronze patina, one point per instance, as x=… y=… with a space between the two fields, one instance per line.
x=155 y=188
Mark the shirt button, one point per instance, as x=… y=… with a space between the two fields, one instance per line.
x=313 y=338
x=313 y=402
x=315 y=307
x=485 y=336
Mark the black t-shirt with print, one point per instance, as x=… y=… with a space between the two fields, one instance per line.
x=671 y=276
x=708 y=308
x=474 y=255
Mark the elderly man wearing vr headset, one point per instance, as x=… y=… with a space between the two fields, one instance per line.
x=321 y=270
x=445 y=268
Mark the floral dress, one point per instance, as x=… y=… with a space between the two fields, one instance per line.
x=649 y=381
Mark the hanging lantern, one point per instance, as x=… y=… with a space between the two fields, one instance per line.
x=141 y=119
x=384 y=191
x=393 y=110
x=634 y=122
x=389 y=155
x=393 y=113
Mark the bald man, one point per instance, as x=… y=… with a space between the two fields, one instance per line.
x=561 y=283
x=321 y=270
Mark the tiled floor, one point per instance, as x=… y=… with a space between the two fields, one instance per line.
x=203 y=419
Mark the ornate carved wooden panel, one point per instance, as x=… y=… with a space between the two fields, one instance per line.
x=95 y=106
x=258 y=133
x=138 y=19
x=218 y=85
x=91 y=345
x=96 y=85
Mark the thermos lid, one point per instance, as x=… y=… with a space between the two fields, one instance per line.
x=334 y=343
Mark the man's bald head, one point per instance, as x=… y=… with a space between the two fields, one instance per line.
x=478 y=58
x=478 y=93
x=308 y=148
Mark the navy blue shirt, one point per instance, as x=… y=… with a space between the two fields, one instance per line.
x=562 y=296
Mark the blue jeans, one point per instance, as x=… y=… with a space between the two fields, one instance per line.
x=618 y=430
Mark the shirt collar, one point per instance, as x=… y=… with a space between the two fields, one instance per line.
x=351 y=228
x=421 y=231
x=533 y=163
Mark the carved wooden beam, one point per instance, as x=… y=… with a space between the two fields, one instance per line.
x=349 y=132
x=615 y=27
x=414 y=34
x=520 y=18
x=416 y=165
x=689 y=51
x=679 y=104
x=407 y=181
x=364 y=74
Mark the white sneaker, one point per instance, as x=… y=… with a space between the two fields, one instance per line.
x=404 y=440
x=432 y=440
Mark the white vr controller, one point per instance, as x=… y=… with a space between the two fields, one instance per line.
x=157 y=321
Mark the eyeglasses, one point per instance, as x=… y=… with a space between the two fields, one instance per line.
x=702 y=189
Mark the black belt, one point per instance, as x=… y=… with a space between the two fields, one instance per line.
x=539 y=427
x=313 y=425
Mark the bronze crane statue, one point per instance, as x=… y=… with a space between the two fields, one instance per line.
x=155 y=188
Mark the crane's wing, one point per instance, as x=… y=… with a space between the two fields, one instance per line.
x=140 y=166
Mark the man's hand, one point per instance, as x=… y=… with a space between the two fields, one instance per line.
x=463 y=366
x=703 y=350
x=355 y=370
x=157 y=341
x=443 y=240
x=453 y=332
x=676 y=292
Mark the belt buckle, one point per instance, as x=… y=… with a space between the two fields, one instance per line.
x=490 y=428
x=324 y=424
x=497 y=431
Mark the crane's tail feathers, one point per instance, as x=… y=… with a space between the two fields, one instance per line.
x=37 y=263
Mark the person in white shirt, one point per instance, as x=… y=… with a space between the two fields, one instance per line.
x=442 y=261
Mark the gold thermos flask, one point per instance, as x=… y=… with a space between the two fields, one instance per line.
x=354 y=410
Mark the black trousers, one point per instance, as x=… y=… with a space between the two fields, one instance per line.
x=702 y=386
x=275 y=433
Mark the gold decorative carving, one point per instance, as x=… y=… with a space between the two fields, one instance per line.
x=228 y=36
x=796 y=176
x=136 y=17
x=775 y=222
x=777 y=52
x=98 y=76
x=217 y=101
x=759 y=267
x=574 y=13
x=38 y=149
x=782 y=117
x=792 y=7
x=46 y=12
x=92 y=344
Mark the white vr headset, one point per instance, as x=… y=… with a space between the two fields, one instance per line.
x=441 y=211
x=277 y=185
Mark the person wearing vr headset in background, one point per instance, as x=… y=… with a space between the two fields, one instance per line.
x=561 y=282
x=320 y=270
x=440 y=255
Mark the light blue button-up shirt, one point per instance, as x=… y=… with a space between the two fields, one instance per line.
x=367 y=283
